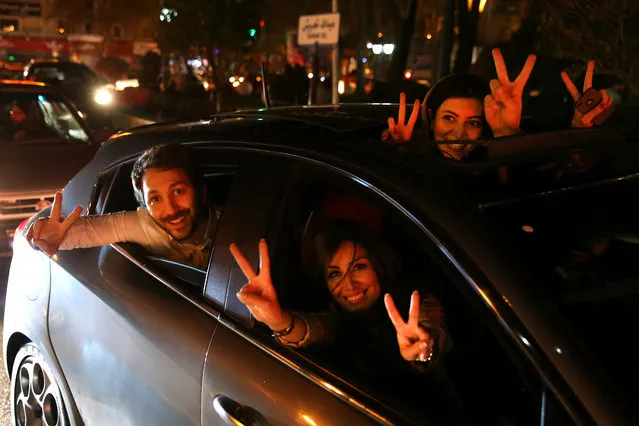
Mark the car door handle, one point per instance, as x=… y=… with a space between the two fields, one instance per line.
x=235 y=414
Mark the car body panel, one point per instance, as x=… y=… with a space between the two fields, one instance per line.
x=140 y=342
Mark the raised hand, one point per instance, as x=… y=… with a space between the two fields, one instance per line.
x=402 y=131
x=600 y=112
x=415 y=344
x=259 y=294
x=47 y=234
x=503 y=106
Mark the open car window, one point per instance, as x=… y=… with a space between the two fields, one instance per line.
x=118 y=196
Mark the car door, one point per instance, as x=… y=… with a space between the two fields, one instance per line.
x=129 y=330
x=248 y=378
x=251 y=379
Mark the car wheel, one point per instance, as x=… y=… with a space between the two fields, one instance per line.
x=35 y=395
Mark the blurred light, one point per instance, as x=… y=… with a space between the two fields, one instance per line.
x=236 y=83
x=429 y=36
x=205 y=84
x=364 y=60
x=369 y=45
x=558 y=350
x=161 y=17
x=81 y=114
x=408 y=75
x=258 y=78
x=523 y=339
x=528 y=229
x=310 y=75
x=322 y=79
x=12 y=58
x=40 y=98
x=377 y=49
x=103 y=97
x=241 y=79
x=205 y=62
x=165 y=11
x=262 y=23
x=534 y=93
x=252 y=32
x=482 y=5
x=123 y=84
x=388 y=48
x=61 y=30
x=232 y=80
x=379 y=35
x=217 y=51
x=340 y=87
x=309 y=420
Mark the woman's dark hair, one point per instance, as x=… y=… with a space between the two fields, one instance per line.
x=164 y=157
x=336 y=232
x=464 y=85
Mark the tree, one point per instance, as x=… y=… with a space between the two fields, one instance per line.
x=405 y=28
x=604 y=30
x=467 y=21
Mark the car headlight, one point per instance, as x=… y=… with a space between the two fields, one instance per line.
x=103 y=96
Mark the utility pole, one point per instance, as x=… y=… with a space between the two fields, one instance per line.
x=336 y=59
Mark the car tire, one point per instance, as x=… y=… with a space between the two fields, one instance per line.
x=35 y=394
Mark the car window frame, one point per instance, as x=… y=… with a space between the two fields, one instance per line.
x=104 y=185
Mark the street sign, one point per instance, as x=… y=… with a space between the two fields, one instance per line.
x=322 y=29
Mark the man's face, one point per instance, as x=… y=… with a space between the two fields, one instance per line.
x=171 y=200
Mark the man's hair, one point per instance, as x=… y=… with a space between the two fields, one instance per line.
x=164 y=157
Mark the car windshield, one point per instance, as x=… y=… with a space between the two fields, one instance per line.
x=579 y=239
x=33 y=118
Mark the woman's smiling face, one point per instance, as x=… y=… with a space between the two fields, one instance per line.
x=351 y=279
x=458 y=119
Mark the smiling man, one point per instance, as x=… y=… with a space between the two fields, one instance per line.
x=172 y=220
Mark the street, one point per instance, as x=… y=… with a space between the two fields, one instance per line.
x=5 y=391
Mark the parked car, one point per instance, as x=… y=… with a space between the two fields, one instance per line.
x=43 y=142
x=91 y=92
x=116 y=335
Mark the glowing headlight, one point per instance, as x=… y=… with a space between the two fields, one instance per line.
x=103 y=97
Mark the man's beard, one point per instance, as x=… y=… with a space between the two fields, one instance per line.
x=185 y=228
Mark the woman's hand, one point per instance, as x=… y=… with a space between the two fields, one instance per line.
x=415 y=344
x=401 y=131
x=503 y=106
x=259 y=294
x=600 y=112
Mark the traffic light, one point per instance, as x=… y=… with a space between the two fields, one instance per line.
x=252 y=32
x=262 y=23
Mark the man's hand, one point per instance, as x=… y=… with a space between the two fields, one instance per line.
x=503 y=106
x=402 y=131
x=47 y=234
x=415 y=344
x=259 y=294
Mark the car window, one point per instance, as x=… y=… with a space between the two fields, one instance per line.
x=581 y=244
x=481 y=377
x=38 y=118
x=119 y=196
